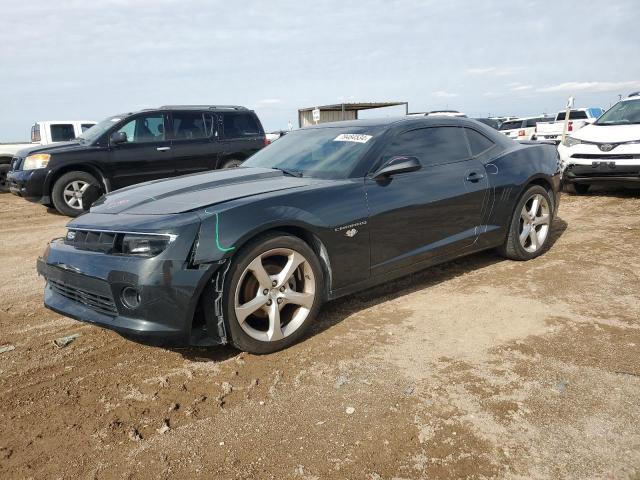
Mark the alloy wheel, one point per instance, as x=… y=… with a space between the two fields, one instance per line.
x=73 y=192
x=535 y=219
x=275 y=294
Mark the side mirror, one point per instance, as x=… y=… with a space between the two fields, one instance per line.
x=397 y=165
x=118 y=137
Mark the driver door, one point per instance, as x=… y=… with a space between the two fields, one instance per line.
x=146 y=155
x=418 y=216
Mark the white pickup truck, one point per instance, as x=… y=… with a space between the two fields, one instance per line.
x=42 y=133
x=578 y=118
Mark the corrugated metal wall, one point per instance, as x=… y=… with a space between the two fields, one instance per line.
x=306 y=117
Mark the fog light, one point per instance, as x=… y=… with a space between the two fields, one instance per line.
x=130 y=297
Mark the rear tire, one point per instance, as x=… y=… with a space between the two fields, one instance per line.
x=232 y=163
x=67 y=192
x=4 y=169
x=530 y=226
x=578 y=188
x=272 y=293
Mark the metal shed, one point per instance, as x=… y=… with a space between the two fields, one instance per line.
x=342 y=111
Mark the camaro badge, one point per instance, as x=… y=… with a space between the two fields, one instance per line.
x=351 y=233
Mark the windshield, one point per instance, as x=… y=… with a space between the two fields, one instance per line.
x=626 y=112
x=511 y=125
x=331 y=152
x=93 y=133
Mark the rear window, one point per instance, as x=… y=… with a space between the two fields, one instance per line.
x=573 y=115
x=478 y=142
x=511 y=124
x=62 y=132
x=532 y=122
x=86 y=126
x=190 y=125
x=238 y=125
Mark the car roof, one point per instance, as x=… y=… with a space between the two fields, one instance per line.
x=216 y=108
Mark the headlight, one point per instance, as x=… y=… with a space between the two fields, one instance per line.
x=38 y=160
x=570 y=141
x=145 y=245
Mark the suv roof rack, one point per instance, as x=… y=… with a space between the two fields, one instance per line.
x=209 y=107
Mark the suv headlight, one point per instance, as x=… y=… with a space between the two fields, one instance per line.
x=145 y=245
x=38 y=160
x=570 y=141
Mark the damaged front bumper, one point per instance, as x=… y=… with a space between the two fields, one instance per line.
x=149 y=298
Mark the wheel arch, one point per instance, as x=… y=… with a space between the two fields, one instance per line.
x=53 y=177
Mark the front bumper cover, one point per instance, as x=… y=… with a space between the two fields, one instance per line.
x=88 y=286
x=28 y=184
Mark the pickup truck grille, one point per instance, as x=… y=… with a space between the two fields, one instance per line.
x=91 y=240
x=98 y=303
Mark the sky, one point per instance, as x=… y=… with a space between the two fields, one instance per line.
x=72 y=59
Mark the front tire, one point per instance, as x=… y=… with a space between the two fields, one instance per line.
x=232 y=164
x=272 y=293
x=530 y=226
x=67 y=192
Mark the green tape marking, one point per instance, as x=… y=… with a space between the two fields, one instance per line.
x=220 y=247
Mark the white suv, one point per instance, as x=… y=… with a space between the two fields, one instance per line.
x=522 y=128
x=607 y=151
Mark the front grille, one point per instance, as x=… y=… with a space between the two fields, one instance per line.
x=92 y=240
x=599 y=156
x=99 y=303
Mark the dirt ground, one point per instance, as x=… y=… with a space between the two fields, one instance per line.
x=479 y=368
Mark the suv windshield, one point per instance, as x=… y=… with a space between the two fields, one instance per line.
x=331 y=152
x=93 y=133
x=622 y=113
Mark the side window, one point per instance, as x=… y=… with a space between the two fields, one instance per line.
x=191 y=125
x=62 y=132
x=432 y=146
x=478 y=143
x=144 y=129
x=238 y=125
x=86 y=126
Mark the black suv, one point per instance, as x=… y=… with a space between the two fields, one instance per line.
x=133 y=148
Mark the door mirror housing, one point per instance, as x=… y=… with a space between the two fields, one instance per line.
x=118 y=137
x=398 y=164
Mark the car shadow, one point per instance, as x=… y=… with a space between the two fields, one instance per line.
x=334 y=312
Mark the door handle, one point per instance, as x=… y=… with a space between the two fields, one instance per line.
x=474 y=177
x=163 y=149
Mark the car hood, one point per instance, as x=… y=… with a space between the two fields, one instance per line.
x=52 y=148
x=608 y=133
x=191 y=192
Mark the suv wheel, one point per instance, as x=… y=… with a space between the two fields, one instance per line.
x=68 y=192
x=530 y=225
x=4 y=169
x=272 y=294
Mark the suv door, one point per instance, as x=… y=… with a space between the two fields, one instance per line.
x=434 y=211
x=194 y=141
x=146 y=155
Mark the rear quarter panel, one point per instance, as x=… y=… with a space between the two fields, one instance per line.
x=510 y=175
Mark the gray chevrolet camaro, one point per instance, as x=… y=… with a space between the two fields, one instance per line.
x=248 y=255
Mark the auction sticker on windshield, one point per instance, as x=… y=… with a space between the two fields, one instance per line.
x=352 y=137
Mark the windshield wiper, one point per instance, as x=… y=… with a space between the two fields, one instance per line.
x=291 y=173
